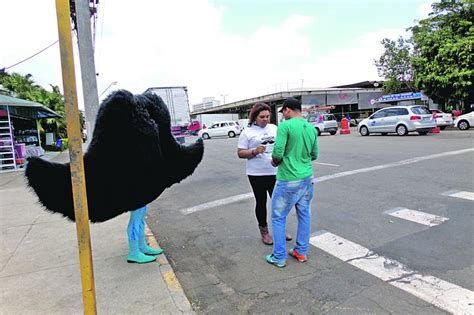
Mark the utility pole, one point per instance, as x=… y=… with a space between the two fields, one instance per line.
x=86 y=57
x=78 y=183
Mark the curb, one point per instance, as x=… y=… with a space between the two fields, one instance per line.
x=51 y=155
x=174 y=287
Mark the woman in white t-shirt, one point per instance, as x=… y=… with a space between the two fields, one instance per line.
x=256 y=145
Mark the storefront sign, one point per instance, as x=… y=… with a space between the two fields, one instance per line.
x=400 y=97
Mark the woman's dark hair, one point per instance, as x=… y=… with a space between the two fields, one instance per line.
x=256 y=109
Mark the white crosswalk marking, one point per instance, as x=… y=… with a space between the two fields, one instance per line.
x=217 y=203
x=416 y=216
x=442 y=294
x=327 y=164
x=463 y=194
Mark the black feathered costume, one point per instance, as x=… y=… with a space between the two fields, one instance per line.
x=131 y=160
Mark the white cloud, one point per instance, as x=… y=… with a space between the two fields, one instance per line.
x=425 y=9
x=353 y=64
x=150 y=43
x=27 y=27
x=156 y=49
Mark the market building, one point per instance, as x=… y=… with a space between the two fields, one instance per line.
x=20 y=131
x=357 y=100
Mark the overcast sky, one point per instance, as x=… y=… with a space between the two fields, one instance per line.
x=237 y=48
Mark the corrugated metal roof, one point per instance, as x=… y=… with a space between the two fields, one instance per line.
x=40 y=110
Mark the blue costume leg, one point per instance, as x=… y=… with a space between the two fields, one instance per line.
x=144 y=248
x=134 y=231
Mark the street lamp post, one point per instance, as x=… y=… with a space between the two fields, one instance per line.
x=110 y=85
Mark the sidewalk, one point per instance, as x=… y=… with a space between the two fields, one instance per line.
x=39 y=262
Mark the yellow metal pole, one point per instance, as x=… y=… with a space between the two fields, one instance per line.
x=75 y=153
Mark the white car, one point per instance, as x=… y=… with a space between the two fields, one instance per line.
x=443 y=120
x=220 y=128
x=323 y=123
x=398 y=119
x=464 y=122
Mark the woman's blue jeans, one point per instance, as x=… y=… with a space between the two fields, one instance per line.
x=286 y=195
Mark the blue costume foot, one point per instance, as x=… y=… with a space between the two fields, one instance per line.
x=140 y=258
x=147 y=250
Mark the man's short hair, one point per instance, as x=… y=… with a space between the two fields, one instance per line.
x=291 y=103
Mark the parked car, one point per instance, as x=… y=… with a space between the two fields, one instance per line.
x=398 y=119
x=323 y=123
x=464 y=122
x=220 y=128
x=194 y=127
x=443 y=120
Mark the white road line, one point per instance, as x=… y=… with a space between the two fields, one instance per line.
x=394 y=164
x=217 y=203
x=221 y=202
x=416 y=216
x=442 y=294
x=328 y=164
x=463 y=194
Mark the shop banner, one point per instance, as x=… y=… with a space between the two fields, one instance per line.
x=342 y=98
x=313 y=100
x=400 y=97
x=368 y=100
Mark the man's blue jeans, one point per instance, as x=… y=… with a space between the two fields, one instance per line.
x=286 y=195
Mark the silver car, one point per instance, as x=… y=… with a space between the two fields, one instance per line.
x=323 y=123
x=400 y=120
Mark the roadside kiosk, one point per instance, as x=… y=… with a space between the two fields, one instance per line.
x=20 y=131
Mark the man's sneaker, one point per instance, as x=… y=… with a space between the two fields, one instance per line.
x=280 y=263
x=296 y=255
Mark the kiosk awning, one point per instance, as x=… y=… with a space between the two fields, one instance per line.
x=24 y=108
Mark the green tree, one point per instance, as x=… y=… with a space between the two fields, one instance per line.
x=395 y=66
x=443 y=56
x=24 y=87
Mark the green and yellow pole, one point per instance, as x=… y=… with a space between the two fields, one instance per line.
x=76 y=159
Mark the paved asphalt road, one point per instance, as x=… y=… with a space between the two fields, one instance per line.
x=219 y=259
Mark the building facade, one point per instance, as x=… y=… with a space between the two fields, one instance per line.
x=207 y=102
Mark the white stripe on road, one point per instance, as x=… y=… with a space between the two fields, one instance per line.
x=394 y=164
x=217 y=203
x=442 y=294
x=222 y=202
x=463 y=194
x=328 y=164
x=416 y=216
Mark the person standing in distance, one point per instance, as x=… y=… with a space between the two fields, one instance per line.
x=296 y=146
x=256 y=145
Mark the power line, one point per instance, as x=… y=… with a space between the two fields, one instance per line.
x=39 y=52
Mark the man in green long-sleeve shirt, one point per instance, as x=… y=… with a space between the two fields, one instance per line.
x=295 y=147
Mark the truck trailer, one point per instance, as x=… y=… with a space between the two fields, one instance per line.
x=177 y=101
